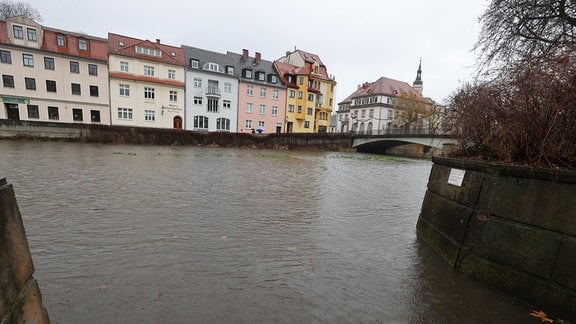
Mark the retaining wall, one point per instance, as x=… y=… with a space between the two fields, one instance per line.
x=20 y=298
x=513 y=228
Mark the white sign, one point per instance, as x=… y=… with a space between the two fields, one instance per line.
x=456 y=177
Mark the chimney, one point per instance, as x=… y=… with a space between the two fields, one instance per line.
x=157 y=40
x=245 y=55
x=258 y=58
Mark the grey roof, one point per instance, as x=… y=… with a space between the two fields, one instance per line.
x=205 y=56
x=262 y=66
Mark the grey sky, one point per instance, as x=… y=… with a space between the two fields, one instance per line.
x=359 y=41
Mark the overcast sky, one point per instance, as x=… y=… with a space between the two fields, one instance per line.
x=359 y=41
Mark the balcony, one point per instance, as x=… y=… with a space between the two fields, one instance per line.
x=213 y=92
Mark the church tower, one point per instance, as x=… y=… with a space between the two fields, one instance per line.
x=418 y=85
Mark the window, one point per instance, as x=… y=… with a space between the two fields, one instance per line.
x=92 y=69
x=194 y=63
x=93 y=91
x=125 y=90
x=148 y=70
x=213 y=67
x=262 y=110
x=60 y=40
x=309 y=111
x=197 y=83
x=261 y=76
x=82 y=44
x=299 y=109
x=8 y=81
x=227 y=104
x=301 y=80
x=201 y=122
x=76 y=89
x=292 y=94
x=227 y=87
x=306 y=124
x=263 y=92
x=223 y=124
x=121 y=43
x=248 y=124
x=149 y=115
x=95 y=116
x=290 y=108
x=300 y=94
x=173 y=96
x=125 y=113
x=28 y=60
x=275 y=94
x=261 y=124
x=274 y=111
x=77 y=114
x=74 y=67
x=311 y=97
x=50 y=85
x=248 y=74
x=249 y=107
x=213 y=105
x=273 y=78
x=197 y=100
x=124 y=66
x=172 y=74
x=371 y=113
x=230 y=70
x=33 y=112
x=32 y=34
x=49 y=63
x=250 y=90
x=5 y=57
x=18 y=32
x=30 y=83
x=53 y=113
x=149 y=93
x=148 y=51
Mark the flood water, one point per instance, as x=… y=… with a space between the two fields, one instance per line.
x=150 y=234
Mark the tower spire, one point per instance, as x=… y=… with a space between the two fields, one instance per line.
x=418 y=85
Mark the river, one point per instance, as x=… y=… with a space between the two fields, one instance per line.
x=152 y=234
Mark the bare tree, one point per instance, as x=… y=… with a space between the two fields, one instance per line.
x=9 y=9
x=414 y=110
x=520 y=30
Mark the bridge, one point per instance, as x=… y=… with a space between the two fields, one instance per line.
x=383 y=142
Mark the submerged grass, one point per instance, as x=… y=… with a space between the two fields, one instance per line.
x=368 y=157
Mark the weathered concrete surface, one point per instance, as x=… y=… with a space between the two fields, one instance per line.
x=20 y=298
x=510 y=227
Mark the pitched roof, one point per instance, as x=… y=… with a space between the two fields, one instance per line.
x=125 y=45
x=382 y=86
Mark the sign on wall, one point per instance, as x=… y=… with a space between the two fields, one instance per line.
x=456 y=177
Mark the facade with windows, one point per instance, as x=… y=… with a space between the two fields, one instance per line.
x=52 y=75
x=261 y=95
x=211 y=91
x=387 y=106
x=147 y=83
x=310 y=92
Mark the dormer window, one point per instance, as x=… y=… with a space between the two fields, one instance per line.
x=121 y=43
x=213 y=67
x=82 y=44
x=260 y=76
x=60 y=40
x=148 y=51
x=230 y=70
x=272 y=78
x=194 y=63
x=247 y=73
x=173 y=54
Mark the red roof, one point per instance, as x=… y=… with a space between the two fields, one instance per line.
x=383 y=86
x=125 y=46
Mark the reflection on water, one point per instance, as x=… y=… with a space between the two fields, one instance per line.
x=148 y=234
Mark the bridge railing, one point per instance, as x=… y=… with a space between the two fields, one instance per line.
x=401 y=131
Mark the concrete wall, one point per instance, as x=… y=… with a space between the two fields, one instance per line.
x=513 y=228
x=20 y=298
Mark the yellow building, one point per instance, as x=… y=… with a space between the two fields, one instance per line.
x=310 y=92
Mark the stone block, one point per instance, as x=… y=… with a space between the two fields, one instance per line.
x=554 y=300
x=14 y=239
x=546 y=204
x=565 y=273
x=443 y=245
x=528 y=249
x=447 y=216
x=466 y=195
x=31 y=310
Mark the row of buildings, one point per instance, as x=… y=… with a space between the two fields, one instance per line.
x=54 y=75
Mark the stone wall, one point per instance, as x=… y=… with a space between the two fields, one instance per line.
x=20 y=298
x=513 y=228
